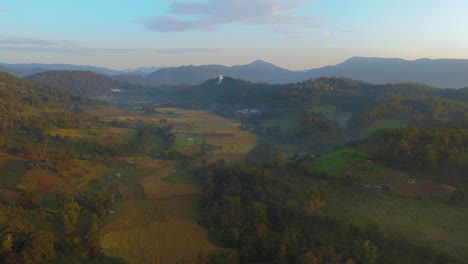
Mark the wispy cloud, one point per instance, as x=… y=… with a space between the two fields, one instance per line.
x=208 y=14
x=53 y=46
x=26 y=41
x=327 y=34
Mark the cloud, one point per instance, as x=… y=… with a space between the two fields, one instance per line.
x=7 y=40
x=54 y=46
x=208 y=14
x=327 y=34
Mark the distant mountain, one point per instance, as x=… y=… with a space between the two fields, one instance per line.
x=21 y=70
x=142 y=70
x=257 y=71
x=444 y=73
x=85 y=83
x=131 y=79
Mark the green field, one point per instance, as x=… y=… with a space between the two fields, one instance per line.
x=337 y=162
x=328 y=111
x=420 y=222
x=289 y=124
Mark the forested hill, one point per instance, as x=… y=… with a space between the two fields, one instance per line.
x=344 y=93
x=84 y=83
x=27 y=110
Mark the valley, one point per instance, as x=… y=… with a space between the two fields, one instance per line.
x=235 y=172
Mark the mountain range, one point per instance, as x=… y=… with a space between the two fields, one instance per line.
x=443 y=73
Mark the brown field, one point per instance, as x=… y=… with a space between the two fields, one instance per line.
x=157 y=231
x=80 y=174
x=401 y=183
x=155 y=188
x=46 y=181
x=162 y=228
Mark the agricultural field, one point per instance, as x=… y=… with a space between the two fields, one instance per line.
x=156 y=221
x=289 y=124
x=192 y=129
x=400 y=183
x=418 y=221
x=160 y=228
x=45 y=180
x=337 y=162
x=157 y=231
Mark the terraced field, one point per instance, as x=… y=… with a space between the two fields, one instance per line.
x=162 y=227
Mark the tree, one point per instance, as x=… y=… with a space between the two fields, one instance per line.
x=70 y=211
x=41 y=249
x=280 y=159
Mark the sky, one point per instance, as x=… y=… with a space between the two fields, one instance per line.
x=293 y=34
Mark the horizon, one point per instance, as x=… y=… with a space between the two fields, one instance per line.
x=197 y=65
x=291 y=34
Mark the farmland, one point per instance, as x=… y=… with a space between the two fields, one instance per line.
x=159 y=225
x=337 y=162
x=400 y=218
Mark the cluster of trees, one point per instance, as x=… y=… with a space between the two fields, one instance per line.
x=84 y=83
x=67 y=231
x=424 y=149
x=417 y=109
x=244 y=209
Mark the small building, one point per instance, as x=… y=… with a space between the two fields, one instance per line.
x=118 y=175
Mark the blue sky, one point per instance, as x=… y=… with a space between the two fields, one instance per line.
x=294 y=34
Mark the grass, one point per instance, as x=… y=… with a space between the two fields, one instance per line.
x=382 y=123
x=337 y=162
x=419 y=221
x=328 y=110
x=179 y=175
x=374 y=174
x=157 y=231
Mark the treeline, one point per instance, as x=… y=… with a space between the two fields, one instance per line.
x=424 y=149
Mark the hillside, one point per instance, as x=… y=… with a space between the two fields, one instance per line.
x=27 y=110
x=257 y=71
x=84 y=83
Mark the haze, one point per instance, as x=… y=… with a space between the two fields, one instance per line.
x=294 y=34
